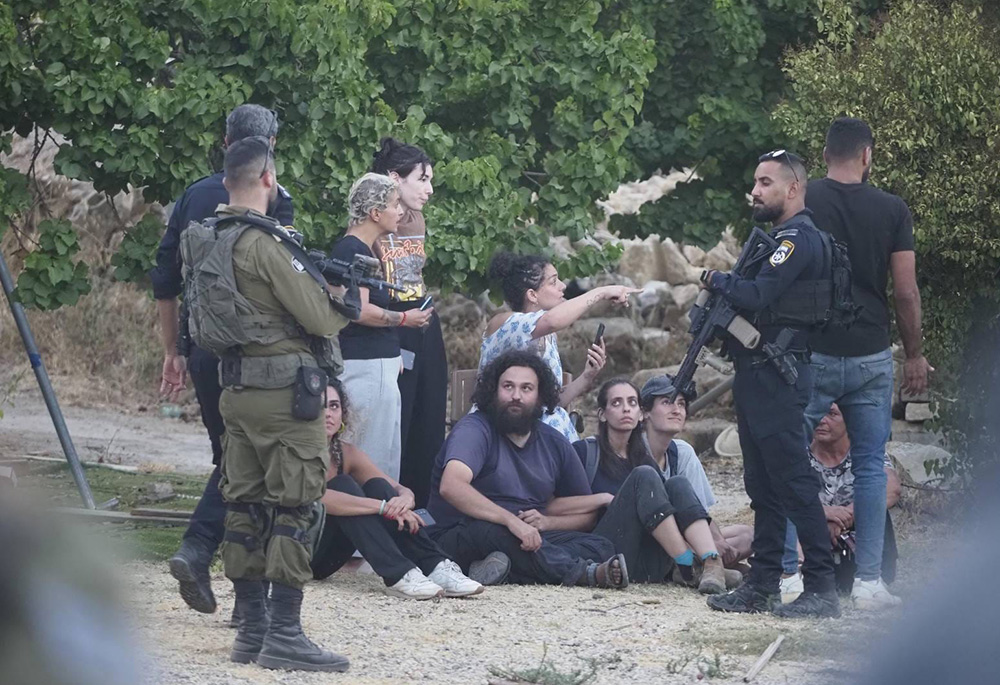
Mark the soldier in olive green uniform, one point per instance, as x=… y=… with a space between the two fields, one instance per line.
x=275 y=453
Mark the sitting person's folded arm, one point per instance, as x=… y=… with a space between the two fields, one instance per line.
x=579 y=522
x=578 y=504
x=361 y=468
x=457 y=490
x=342 y=504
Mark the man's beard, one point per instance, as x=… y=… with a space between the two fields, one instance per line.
x=765 y=214
x=509 y=422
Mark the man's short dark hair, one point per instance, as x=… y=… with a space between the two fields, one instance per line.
x=246 y=161
x=847 y=138
x=485 y=395
x=251 y=120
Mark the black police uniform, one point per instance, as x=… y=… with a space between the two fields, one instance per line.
x=198 y=202
x=770 y=411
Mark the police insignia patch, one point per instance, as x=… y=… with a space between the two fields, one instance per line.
x=783 y=252
x=297 y=265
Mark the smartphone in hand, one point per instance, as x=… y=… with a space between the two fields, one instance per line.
x=600 y=334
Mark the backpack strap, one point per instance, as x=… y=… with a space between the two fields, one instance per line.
x=592 y=458
x=672 y=458
x=272 y=228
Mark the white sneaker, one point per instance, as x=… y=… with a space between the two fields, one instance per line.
x=873 y=594
x=449 y=576
x=415 y=585
x=791 y=587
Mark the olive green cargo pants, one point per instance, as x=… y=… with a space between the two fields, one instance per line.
x=273 y=468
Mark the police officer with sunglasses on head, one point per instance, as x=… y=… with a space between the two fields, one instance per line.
x=772 y=389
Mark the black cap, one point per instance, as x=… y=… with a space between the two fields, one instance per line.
x=660 y=386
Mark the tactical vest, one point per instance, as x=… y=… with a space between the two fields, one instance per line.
x=817 y=304
x=222 y=320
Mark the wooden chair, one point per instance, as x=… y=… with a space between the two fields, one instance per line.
x=463 y=384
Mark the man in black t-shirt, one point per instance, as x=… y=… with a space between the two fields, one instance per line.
x=853 y=367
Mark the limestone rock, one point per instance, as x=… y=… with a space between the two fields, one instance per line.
x=918 y=412
x=694 y=254
x=676 y=268
x=685 y=295
x=653 y=293
x=911 y=459
x=642 y=261
x=719 y=258
x=622 y=339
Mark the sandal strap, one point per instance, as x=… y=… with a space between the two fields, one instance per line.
x=592 y=575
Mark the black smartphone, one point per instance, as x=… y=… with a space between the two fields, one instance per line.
x=425 y=516
x=426 y=303
x=600 y=334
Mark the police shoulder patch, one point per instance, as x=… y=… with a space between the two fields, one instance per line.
x=783 y=252
x=788 y=232
x=297 y=265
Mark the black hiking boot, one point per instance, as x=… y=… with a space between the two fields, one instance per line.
x=190 y=567
x=811 y=605
x=746 y=599
x=492 y=570
x=285 y=645
x=252 y=622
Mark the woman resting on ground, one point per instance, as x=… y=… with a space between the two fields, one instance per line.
x=532 y=289
x=369 y=512
x=659 y=525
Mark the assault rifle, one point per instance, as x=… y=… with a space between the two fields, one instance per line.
x=361 y=272
x=712 y=316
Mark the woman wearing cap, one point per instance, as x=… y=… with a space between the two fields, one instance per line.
x=370 y=345
x=423 y=384
x=662 y=421
x=657 y=523
x=533 y=291
x=368 y=511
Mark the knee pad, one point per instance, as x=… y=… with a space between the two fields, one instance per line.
x=260 y=519
x=310 y=519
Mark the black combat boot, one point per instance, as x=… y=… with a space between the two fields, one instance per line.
x=811 y=605
x=746 y=599
x=253 y=621
x=285 y=645
x=234 y=619
x=190 y=566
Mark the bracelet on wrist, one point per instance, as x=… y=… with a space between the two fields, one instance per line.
x=402 y=322
x=381 y=507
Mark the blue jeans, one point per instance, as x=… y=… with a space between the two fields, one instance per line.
x=862 y=388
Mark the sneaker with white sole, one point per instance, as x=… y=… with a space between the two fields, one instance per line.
x=873 y=594
x=791 y=587
x=449 y=576
x=415 y=585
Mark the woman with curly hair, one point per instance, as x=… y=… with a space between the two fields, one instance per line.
x=533 y=291
x=370 y=512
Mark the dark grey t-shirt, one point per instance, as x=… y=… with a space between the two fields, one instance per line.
x=873 y=224
x=515 y=478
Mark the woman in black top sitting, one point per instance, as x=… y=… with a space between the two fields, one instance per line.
x=659 y=525
x=370 y=512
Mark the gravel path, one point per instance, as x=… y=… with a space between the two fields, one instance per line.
x=640 y=635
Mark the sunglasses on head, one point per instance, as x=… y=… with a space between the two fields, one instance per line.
x=782 y=156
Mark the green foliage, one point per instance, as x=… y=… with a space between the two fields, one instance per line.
x=137 y=253
x=525 y=106
x=50 y=279
x=708 y=104
x=928 y=82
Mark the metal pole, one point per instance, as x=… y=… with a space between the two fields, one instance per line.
x=46 y=386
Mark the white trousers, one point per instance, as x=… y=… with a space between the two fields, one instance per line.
x=374 y=408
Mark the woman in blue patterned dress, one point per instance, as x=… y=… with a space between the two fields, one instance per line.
x=532 y=289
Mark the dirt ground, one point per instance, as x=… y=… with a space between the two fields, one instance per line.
x=662 y=634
